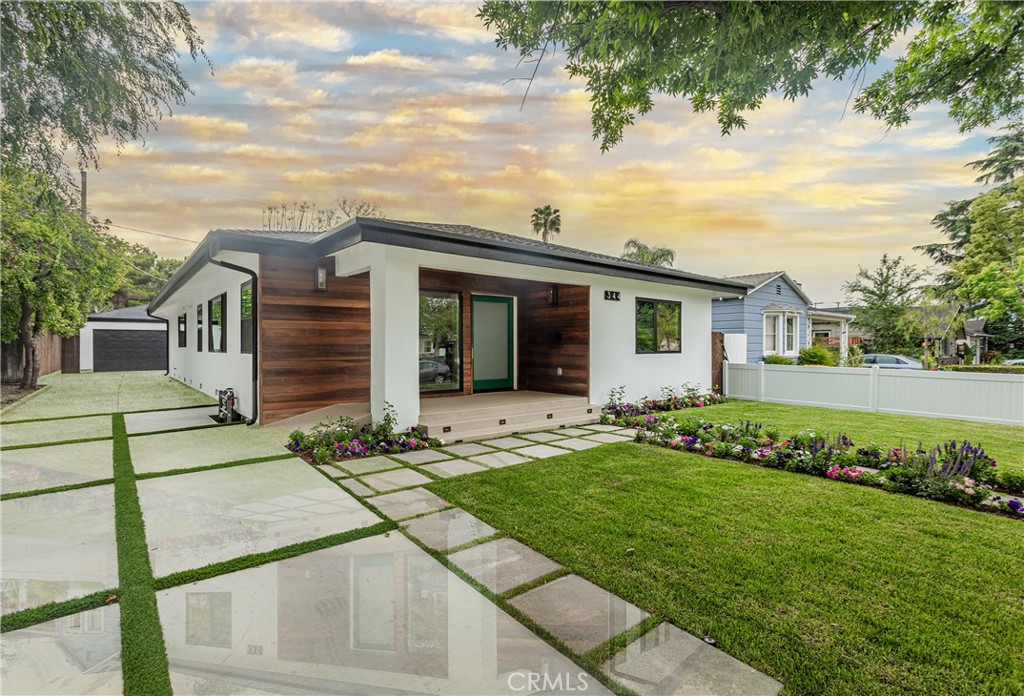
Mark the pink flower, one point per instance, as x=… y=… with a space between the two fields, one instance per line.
x=969 y=491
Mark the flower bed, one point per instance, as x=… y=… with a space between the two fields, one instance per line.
x=689 y=397
x=341 y=439
x=957 y=473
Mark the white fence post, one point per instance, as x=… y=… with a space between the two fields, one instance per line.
x=725 y=378
x=760 y=381
x=873 y=388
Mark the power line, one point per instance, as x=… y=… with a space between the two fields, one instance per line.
x=155 y=234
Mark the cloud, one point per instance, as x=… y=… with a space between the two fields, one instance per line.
x=284 y=23
x=258 y=73
x=391 y=59
x=451 y=20
x=480 y=61
x=209 y=127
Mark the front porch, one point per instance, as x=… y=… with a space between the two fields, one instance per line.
x=479 y=416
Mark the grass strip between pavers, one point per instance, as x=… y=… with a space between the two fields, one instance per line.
x=56 y=489
x=257 y=559
x=108 y=413
x=55 y=610
x=143 y=653
x=587 y=662
x=32 y=445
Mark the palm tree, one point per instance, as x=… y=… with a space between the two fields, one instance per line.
x=546 y=221
x=635 y=250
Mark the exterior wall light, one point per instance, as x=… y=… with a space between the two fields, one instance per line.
x=321 y=279
x=553 y=295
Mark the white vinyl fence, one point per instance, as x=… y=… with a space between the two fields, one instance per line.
x=990 y=398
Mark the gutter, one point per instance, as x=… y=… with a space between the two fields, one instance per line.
x=255 y=326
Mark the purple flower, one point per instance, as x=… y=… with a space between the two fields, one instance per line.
x=1015 y=506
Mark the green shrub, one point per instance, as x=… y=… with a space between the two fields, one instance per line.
x=816 y=355
x=990 y=369
x=778 y=360
x=1011 y=481
x=855 y=356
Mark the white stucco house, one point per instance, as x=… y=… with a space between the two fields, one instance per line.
x=453 y=326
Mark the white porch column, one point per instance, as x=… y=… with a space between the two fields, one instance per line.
x=844 y=341
x=394 y=335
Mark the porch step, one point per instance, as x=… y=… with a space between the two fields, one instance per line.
x=494 y=422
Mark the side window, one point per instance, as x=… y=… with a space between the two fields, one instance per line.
x=218 y=336
x=245 y=317
x=182 y=330
x=658 y=326
x=199 y=328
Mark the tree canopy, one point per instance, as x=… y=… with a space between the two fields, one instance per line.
x=727 y=57
x=76 y=72
x=653 y=255
x=881 y=299
x=546 y=222
x=146 y=273
x=304 y=216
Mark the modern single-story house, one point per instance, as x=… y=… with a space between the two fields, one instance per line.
x=775 y=317
x=124 y=339
x=295 y=322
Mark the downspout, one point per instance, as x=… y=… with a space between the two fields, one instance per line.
x=150 y=314
x=255 y=327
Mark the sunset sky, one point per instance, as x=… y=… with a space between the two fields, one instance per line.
x=407 y=105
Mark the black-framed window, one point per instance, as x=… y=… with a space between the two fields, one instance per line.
x=208 y=619
x=218 y=334
x=182 y=330
x=440 y=341
x=199 y=328
x=245 y=317
x=658 y=326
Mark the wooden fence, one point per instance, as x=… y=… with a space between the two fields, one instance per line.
x=989 y=398
x=50 y=353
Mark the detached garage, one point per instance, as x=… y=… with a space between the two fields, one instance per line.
x=125 y=339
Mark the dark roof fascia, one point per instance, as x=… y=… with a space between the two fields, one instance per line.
x=410 y=236
x=141 y=320
x=217 y=241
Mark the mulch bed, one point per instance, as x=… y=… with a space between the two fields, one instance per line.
x=9 y=393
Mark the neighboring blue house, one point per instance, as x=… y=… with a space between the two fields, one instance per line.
x=776 y=317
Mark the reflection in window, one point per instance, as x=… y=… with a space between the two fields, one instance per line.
x=85 y=622
x=199 y=328
x=208 y=619
x=373 y=605
x=182 y=329
x=245 y=317
x=658 y=326
x=440 y=345
x=218 y=337
x=427 y=605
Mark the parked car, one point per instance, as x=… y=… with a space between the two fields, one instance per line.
x=431 y=371
x=1015 y=361
x=892 y=362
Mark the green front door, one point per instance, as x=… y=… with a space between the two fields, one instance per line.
x=493 y=334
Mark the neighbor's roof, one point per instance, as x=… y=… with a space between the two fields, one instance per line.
x=756 y=281
x=976 y=327
x=138 y=313
x=463 y=240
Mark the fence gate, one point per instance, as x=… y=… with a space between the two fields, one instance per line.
x=717 y=359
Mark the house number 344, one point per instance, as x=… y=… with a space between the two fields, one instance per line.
x=612 y=295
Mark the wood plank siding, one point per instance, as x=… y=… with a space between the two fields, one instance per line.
x=548 y=337
x=314 y=346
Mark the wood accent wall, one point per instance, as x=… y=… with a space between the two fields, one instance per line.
x=314 y=347
x=549 y=337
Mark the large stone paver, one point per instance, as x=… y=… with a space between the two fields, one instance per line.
x=667 y=661
x=37 y=468
x=12 y=434
x=448 y=528
x=455 y=467
x=76 y=654
x=543 y=437
x=605 y=438
x=136 y=423
x=402 y=504
x=421 y=456
x=367 y=465
x=503 y=564
x=105 y=392
x=195 y=448
x=496 y=460
x=398 y=478
x=578 y=612
x=467 y=449
x=196 y=519
x=57 y=546
x=373 y=616
x=506 y=442
x=541 y=451
x=578 y=444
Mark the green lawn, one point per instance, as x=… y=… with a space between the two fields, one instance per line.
x=830 y=588
x=1003 y=442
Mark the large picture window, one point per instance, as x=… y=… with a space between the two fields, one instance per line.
x=658 y=326
x=218 y=336
x=781 y=333
x=182 y=330
x=245 y=317
x=199 y=328
x=440 y=341
x=208 y=619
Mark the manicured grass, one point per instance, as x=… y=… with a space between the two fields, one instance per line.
x=1003 y=442
x=143 y=654
x=829 y=587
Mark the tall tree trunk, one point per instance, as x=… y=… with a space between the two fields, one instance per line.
x=25 y=341
x=121 y=299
